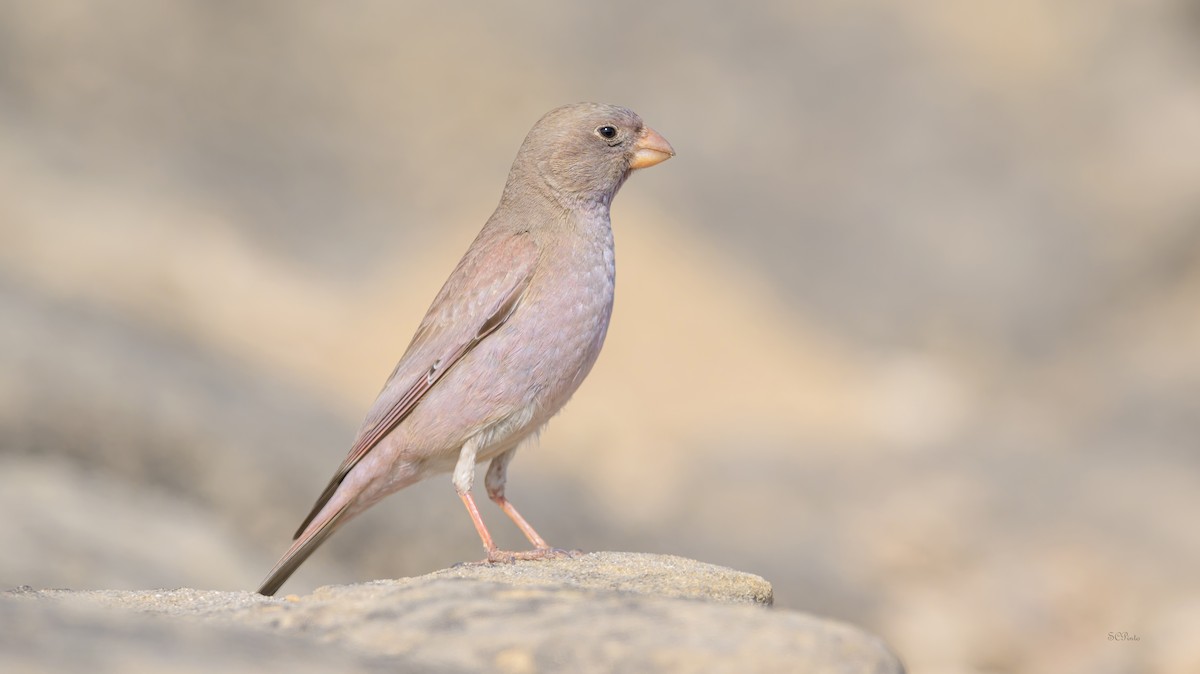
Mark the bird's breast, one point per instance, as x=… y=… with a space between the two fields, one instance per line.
x=561 y=324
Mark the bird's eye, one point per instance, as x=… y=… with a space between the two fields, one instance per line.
x=607 y=132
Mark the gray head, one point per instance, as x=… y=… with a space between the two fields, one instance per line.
x=585 y=151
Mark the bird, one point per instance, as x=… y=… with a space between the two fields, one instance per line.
x=509 y=337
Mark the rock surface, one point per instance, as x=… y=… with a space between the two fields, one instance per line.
x=600 y=612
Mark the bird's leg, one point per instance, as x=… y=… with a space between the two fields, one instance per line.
x=497 y=475
x=464 y=478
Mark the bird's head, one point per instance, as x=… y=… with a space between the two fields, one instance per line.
x=585 y=151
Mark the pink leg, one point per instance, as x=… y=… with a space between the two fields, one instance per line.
x=484 y=535
x=463 y=476
x=496 y=476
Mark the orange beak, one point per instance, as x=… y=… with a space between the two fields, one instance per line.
x=650 y=149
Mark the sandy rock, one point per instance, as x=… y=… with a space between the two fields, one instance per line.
x=655 y=575
x=596 y=613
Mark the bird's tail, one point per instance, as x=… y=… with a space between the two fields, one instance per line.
x=305 y=544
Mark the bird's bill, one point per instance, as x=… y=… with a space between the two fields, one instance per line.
x=650 y=149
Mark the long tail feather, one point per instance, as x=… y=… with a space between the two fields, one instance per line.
x=304 y=546
x=330 y=490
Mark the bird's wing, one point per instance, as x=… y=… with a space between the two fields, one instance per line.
x=481 y=294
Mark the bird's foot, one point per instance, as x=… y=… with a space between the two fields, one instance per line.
x=507 y=557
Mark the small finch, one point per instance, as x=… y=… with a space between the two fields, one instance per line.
x=507 y=340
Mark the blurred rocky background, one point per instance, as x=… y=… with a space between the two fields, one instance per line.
x=910 y=326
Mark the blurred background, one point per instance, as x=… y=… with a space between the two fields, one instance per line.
x=910 y=326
